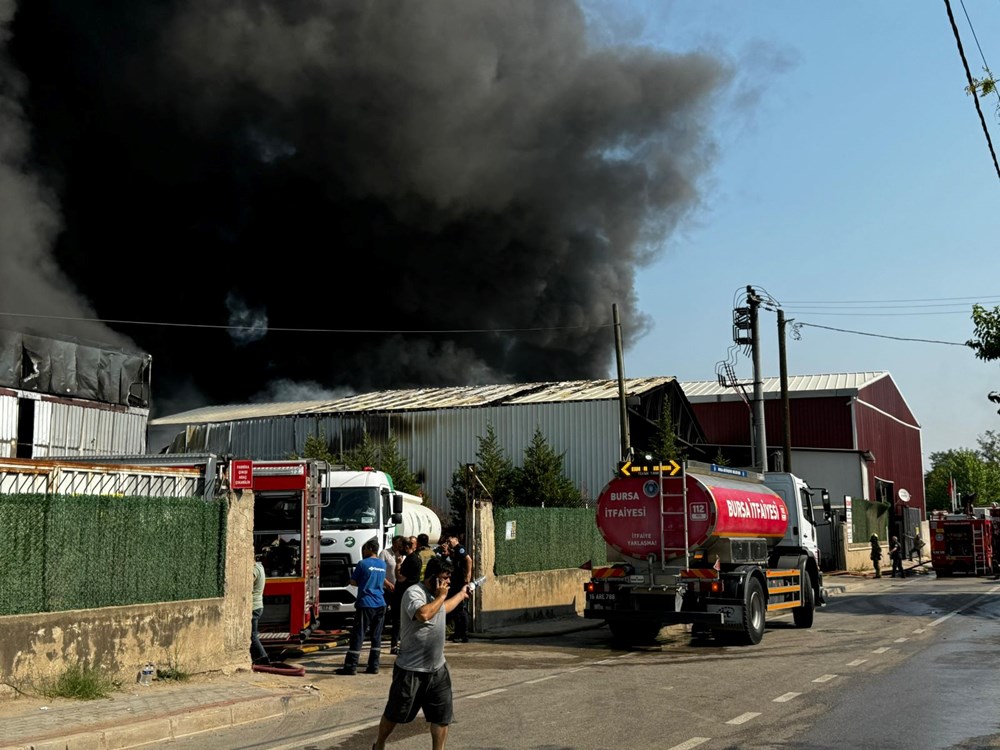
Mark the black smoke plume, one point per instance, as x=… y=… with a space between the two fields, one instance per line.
x=471 y=166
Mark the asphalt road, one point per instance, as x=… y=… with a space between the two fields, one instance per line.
x=892 y=664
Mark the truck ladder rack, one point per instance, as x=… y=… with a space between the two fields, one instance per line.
x=664 y=549
x=979 y=563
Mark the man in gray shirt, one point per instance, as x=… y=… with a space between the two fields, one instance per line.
x=420 y=678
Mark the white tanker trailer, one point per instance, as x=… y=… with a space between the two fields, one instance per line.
x=707 y=545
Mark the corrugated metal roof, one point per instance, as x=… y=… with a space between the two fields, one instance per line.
x=422 y=399
x=817 y=385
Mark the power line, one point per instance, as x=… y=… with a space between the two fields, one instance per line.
x=813 y=311
x=980 y=298
x=972 y=86
x=270 y=329
x=879 y=335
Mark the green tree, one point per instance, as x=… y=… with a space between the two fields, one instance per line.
x=665 y=443
x=970 y=472
x=494 y=469
x=989 y=446
x=541 y=481
x=317 y=446
x=986 y=344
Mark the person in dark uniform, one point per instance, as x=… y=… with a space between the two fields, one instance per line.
x=896 y=555
x=876 y=555
x=460 y=578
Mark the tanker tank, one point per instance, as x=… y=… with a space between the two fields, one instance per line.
x=718 y=508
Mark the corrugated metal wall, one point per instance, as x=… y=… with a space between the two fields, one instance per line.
x=65 y=429
x=438 y=443
x=816 y=422
x=896 y=448
x=8 y=426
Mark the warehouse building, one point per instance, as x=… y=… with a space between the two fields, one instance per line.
x=852 y=433
x=437 y=429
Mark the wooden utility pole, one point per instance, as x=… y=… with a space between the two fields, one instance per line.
x=622 y=406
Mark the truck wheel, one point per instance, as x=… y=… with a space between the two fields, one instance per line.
x=803 y=616
x=635 y=633
x=753 y=613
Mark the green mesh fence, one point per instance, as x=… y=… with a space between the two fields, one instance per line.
x=869 y=518
x=546 y=539
x=82 y=551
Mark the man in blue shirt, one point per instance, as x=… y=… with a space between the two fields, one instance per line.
x=369 y=609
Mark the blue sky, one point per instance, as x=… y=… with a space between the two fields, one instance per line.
x=851 y=167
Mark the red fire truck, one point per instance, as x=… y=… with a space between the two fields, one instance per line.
x=966 y=542
x=286 y=540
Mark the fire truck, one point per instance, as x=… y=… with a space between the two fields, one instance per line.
x=966 y=542
x=288 y=502
x=711 y=546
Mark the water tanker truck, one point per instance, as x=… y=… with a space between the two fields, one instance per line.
x=359 y=506
x=706 y=545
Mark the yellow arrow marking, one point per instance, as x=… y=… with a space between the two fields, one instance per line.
x=625 y=467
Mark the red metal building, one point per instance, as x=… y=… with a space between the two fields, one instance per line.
x=852 y=433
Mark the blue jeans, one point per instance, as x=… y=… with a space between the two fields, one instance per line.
x=365 y=619
x=257 y=652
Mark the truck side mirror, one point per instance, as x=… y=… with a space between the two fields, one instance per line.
x=397 y=507
x=827 y=511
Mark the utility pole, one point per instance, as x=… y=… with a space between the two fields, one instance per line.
x=760 y=436
x=622 y=406
x=786 y=427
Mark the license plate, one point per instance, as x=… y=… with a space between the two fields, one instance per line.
x=602 y=597
x=335 y=607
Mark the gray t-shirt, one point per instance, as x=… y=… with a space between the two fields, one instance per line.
x=389 y=557
x=258 y=586
x=421 y=644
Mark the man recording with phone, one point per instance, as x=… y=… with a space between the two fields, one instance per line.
x=420 y=677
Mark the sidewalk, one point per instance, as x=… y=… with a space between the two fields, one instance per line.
x=138 y=715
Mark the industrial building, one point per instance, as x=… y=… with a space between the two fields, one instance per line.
x=437 y=429
x=70 y=399
x=852 y=433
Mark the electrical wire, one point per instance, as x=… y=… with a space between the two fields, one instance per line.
x=274 y=329
x=878 y=335
x=972 y=86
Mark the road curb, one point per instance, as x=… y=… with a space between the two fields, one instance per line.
x=172 y=726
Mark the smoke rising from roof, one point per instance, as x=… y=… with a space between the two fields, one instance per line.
x=456 y=165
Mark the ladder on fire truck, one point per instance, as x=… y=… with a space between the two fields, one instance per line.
x=665 y=551
x=979 y=562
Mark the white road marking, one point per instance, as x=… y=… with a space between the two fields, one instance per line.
x=919 y=630
x=744 y=718
x=948 y=616
x=856 y=662
x=605 y=661
x=786 y=697
x=826 y=678
x=488 y=692
x=693 y=742
x=901 y=640
x=881 y=650
x=542 y=679
x=578 y=669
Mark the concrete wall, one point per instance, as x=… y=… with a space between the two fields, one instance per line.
x=198 y=635
x=510 y=599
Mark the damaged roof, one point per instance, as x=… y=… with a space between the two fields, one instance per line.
x=423 y=399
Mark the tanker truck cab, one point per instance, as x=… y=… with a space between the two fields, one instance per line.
x=800 y=540
x=359 y=506
x=711 y=546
